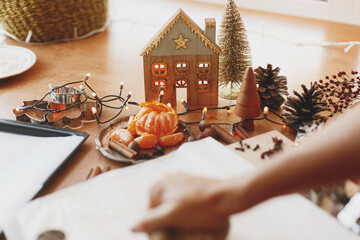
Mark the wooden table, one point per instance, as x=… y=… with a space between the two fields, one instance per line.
x=114 y=55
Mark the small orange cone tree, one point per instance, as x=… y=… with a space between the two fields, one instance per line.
x=248 y=101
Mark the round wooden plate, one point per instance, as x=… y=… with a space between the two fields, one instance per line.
x=102 y=141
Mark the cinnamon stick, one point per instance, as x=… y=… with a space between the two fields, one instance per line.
x=243 y=131
x=122 y=149
x=224 y=135
x=239 y=133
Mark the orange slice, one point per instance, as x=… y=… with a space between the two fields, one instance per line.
x=147 y=141
x=171 y=139
x=122 y=135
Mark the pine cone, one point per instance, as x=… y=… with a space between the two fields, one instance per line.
x=305 y=109
x=272 y=87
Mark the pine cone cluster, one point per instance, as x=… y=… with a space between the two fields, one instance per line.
x=272 y=87
x=304 y=109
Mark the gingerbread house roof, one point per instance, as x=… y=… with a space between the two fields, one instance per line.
x=154 y=42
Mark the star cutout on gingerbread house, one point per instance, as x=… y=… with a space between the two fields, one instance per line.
x=181 y=41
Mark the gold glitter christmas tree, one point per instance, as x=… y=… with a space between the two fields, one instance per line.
x=236 y=56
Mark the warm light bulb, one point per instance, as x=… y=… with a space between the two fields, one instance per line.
x=94 y=95
x=229 y=110
x=17 y=109
x=93 y=110
x=169 y=105
x=121 y=84
x=127 y=107
x=257 y=86
x=266 y=110
x=284 y=127
x=130 y=93
x=162 y=92
x=205 y=110
x=182 y=100
x=81 y=87
x=88 y=75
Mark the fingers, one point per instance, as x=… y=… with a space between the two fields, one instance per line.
x=157 y=218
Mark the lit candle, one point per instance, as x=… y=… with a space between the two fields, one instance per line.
x=186 y=106
x=266 y=111
x=161 y=96
x=203 y=113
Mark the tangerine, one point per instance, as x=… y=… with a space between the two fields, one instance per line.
x=131 y=126
x=155 y=118
x=122 y=135
x=171 y=139
x=147 y=141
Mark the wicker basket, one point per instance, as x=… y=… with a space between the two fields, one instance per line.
x=41 y=21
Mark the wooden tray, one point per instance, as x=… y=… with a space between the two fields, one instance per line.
x=102 y=141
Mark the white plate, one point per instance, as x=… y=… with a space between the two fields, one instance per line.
x=15 y=60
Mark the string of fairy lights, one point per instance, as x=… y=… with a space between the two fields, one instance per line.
x=104 y=102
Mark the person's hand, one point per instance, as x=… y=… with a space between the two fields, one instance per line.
x=183 y=202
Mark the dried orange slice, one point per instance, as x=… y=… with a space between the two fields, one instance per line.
x=122 y=135
x=155 y=118
x=147 y=141
x=171 y=139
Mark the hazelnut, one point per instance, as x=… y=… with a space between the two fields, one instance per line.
x=210 y=132
x=134 y=145
x=203 y=124
x=201 y=135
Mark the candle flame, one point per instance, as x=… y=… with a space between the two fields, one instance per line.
x=205 y=110
x=266 y=110
x=93 y=110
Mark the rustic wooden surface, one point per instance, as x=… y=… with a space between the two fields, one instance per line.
x=114 y=55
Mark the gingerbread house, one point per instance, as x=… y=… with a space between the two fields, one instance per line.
x=183 y=56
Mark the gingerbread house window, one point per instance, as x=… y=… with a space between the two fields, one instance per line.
x=181 y=68
x=158 y=85
x=202 y=85
x=182 y=83
x=159 y=69
x=203 y=68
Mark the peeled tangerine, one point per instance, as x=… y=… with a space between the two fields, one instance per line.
x=155 y=118
x=147 y=141
x=122 y=135
x=171 y=140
